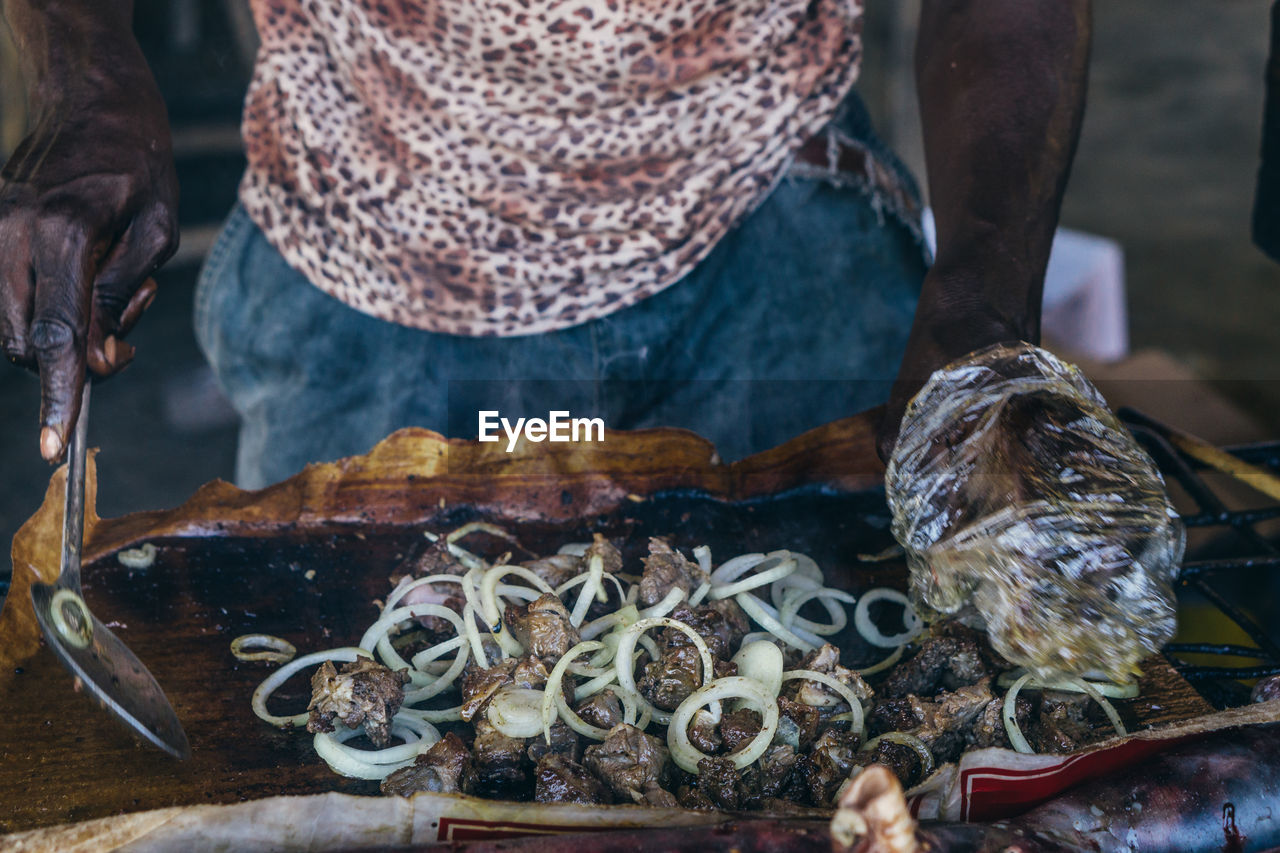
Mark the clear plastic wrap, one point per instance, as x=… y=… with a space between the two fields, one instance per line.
x=1022 y=501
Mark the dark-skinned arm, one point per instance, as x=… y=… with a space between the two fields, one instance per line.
x=1001 y=86
x=88 y=203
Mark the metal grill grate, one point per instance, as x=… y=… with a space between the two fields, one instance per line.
x=1254 y=553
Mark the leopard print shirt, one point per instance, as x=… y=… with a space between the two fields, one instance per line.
x=508 y=167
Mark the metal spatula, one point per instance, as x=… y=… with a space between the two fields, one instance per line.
x=113 y=675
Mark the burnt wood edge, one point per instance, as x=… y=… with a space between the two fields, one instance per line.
x=415 y=474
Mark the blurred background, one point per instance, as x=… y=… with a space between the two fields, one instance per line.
x=1165 y=172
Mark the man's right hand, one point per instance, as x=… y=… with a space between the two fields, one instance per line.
x=88 y=206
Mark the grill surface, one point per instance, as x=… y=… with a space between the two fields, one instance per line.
x=1226 y=572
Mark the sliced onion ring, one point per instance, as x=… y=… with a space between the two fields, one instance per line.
x=273 y=681
x=377 y=636
x=516 y=711
x=626 y=663
x=77 y=635
x=1110 y=689
x=582 y=578
x=406 y=586
x=665 y=606
x=687 y=756
x=270 y=648
x=786 y=565
x=371 y=764
x=592 y=589
x=894 y=657
x=445 y=679
x=854 y=716
x=872 y=634
x=761 y=661
x=554 y=680
x=788 y=613
x=1009 y=714
x=759 y=611
x=489 y=602
x=906 y=739
x=731 y=569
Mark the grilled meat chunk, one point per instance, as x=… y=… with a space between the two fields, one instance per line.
x=944 y=725
x=827 y=661
x=769 y=776
x=561 y=780
x=438 y=770
x=988 y=729
x=1062 y=724
x=564 y=743
x=363 y=691
x=435 y=559
x=949 y=720
x=829 y=762
x=628 y=761
x=901 y=760
x=602 y=710
x=943 y=663
x=610 y=555
x=652 y=795
x=690 y=797
x=805 y=717
x=704 y=732
x=480 y=685
x=669 y=680
x=666 y=569
x=718 y=782
x=499 y=767
x=543 y=627
x=894 y=715
x=720 y=627
x=738 y=728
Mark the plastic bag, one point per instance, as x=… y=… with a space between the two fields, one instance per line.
x=1023 y=504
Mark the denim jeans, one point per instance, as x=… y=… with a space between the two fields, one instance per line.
x=799 y=316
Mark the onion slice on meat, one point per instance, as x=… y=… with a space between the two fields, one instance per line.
x=626 y=663
x=906 y=739
x=374 y=764
x=774 y=567
x=1009 y=714
x=854 y=715
x=516 y=711
x=489 y=603
x=554 y=681
x=761 y=661
x=760 y=612
x=345 y=654
x=378 y=635
x=1109 y=689
x=665 y=606
x=445 y=679
x=406 y=586
x=687 y=756
x=582 y=578
x=592 y=589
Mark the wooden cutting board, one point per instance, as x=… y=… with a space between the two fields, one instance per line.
x=306 y=559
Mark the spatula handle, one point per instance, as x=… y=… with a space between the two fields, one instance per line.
x=73 y=504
